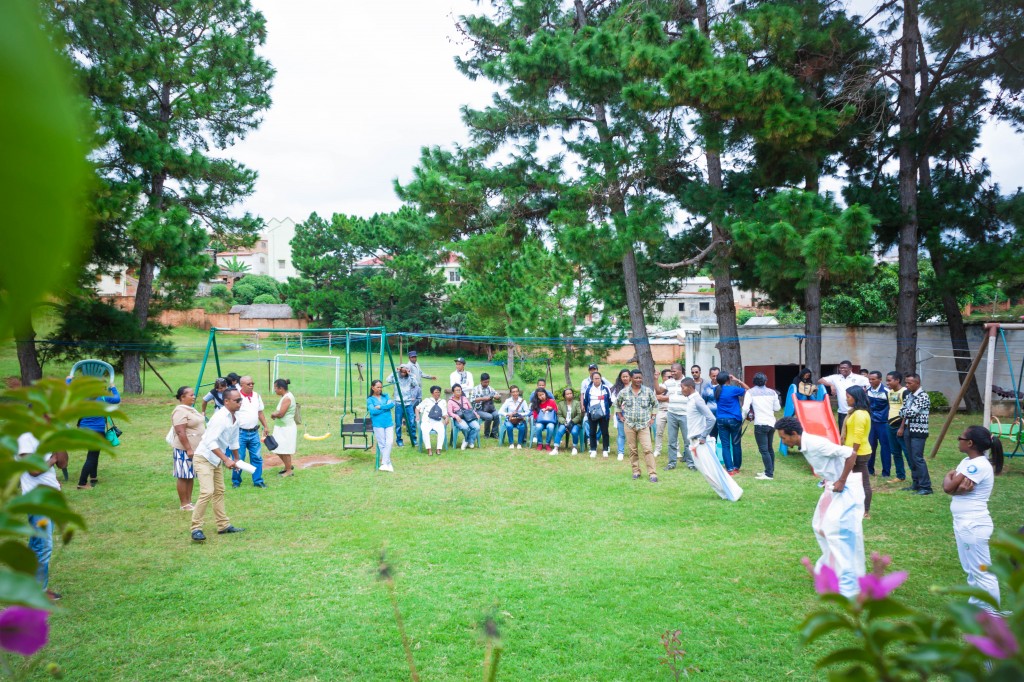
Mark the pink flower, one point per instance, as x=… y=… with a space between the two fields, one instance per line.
x=876 y=586
x=998 y=641
x=825 y=579
x=23 y=630
x=879 y=563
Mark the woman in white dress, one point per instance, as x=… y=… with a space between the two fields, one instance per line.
x=285 y=431
x=433 y=418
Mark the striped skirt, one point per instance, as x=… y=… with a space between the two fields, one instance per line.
x=182 y=465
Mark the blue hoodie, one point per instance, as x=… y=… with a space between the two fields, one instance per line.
x=99 y=424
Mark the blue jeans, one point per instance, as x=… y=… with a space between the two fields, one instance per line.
x=896 y=448
x=620 y=430
x=510 y=427
x=42 y=545
x=410 y=422
x=878 y=438
x=470 y=430
x=539 y=430
x=729 y=436
x=575 y=435
x=249 y=443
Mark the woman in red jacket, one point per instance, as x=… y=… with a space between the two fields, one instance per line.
x=545 y=418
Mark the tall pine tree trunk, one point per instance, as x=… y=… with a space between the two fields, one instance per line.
x=511 y=364
x=28 y=359
x=812 y=325
x=906 y=302
x=132 y=369
x=957 y=329
x=725 y=306
x=567 y=365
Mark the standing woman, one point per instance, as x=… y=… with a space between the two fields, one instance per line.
x=379 y=405
x=970 y=485
x=621 y=384
x=189 y=426
x=597 y=404
x=90 y=470
x=856 y=434
x=285 y=432
x=545 y=417
x=215 y=395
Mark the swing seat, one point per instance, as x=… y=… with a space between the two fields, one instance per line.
x=353 y=431
x=93 y=368
x=1012 y=431
x=323 y=437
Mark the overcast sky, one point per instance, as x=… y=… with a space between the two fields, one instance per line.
x=362 y=86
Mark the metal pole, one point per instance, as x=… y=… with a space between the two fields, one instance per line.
x=270 y=383
x=206 y=356
x=990 y=365
x=960 y=396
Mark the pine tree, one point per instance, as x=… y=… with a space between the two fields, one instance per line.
x=169 y=80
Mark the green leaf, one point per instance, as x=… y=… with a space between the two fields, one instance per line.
x=844 y=656
x=46 y=502
x=74 y=439
x=17 y=526
x=886 y=608
x=932 y=654
x=18 y=588
x=18 y=556
x=857 y=673
x=822 y=623
x=966 y=591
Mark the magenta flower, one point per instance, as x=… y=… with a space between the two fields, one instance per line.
x=998 y=640
x=879 y=563
x=23 y=630
x=825 y=579
x=875 y=586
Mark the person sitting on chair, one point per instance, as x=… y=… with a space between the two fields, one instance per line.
x=464 y=417
x=482 y=396
x=570 y=419
x=545 y=417
x=515 y=411
x=433 y=418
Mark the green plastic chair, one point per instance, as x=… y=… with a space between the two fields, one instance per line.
x=93 y=368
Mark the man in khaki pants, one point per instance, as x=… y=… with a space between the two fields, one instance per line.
x=636 y=405
x=220 y=437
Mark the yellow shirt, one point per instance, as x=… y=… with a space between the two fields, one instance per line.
x=858 y=427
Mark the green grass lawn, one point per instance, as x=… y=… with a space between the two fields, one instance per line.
x=583 y=567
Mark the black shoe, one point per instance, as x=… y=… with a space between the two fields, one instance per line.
x=198 y=536
x=229 y=529
x=923 y=491
x=670 y=465
x=94 y=481
x=909 y=490
x=691 y=467
x=260 y=485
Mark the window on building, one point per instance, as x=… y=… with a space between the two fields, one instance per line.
x=705 y=306
x=262 y=259
x=660 y=307
x=454 y=276
x=280 y=264
x=682 y=306
x=117 y=278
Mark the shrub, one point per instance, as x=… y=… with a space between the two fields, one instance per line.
x=266 y=298
x=249 y=287
x=530 y=373
x=221 y=291
x=939 y=401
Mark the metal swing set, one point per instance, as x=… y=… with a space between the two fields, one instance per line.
x=354 y=426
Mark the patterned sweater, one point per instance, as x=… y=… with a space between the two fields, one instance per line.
x=915 y=413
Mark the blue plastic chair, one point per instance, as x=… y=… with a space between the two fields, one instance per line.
x=93 y=368
x=501 y=429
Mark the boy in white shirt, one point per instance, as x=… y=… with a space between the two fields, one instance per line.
x=765 y=402
x=42 y=542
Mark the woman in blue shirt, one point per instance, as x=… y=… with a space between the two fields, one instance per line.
x=90 y=470
x=379 y=405
x=730 y=420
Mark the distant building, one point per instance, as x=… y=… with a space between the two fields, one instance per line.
x=278 y=234
x=694 y=302
x=449 y=266
x=120 y=282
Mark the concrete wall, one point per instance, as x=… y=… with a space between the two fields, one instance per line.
x=199 y=318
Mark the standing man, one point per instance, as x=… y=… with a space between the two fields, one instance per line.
x=461 y=376
x=636 y=404
x=416 y=370
x=662 y=419
x=878 y=400
x=483 y=402
x=405 y=406
x=250 y=420
x=676 y=425
x=914 y=432
x=838 y=521
x=838 y=383
x=765 y=402
x=221 y=436
x=897 y=395
x=42 y=542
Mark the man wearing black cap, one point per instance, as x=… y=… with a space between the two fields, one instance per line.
x=461 y=376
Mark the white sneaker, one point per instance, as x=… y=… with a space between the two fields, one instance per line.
x=519 y=446
x=553 y=451
x=472 y=445
x=764 y=477
x=575 y=451
x=621 y=455
x=604 y=454
x=534 y=441
x=512 y=447
x=593 y=454
x=465 y=445
x=386 y=467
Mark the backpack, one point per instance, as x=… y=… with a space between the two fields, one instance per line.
x=435 y=412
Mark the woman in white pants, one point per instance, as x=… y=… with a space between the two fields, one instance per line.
x=970 y=485
x=379 y=405
x=433 y=418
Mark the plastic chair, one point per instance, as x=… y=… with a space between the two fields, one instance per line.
x=456 y=432
x=93 y=368
x=501 y=430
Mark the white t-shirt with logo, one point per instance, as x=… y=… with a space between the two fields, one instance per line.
x=842 y=383
x=27 y=444
x=975 y=503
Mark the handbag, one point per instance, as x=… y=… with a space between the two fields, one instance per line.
x=270 y=442
x=546 y=417
x=435 y=412
x=113 y=434
x=172 y=438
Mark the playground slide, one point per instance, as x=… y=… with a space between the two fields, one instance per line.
x=816 y=417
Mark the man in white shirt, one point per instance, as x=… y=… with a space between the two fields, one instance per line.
x=838 y=383
x=221 y=437
x=838 y=521
x=765 y=402
x=661 y=420
x=676 y=425
x=461 y=376
x=42 y=542
x=250 y=420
